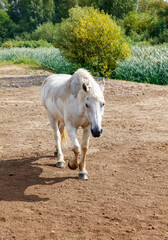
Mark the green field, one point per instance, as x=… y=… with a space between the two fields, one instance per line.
x=148 y=63
x=47 y=57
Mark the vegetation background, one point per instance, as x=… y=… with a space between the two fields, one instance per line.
x=131 y=44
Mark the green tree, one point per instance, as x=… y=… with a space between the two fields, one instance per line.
x=4 y=4
x=27 y=13
x=5 y=25
x=45 y=31
x=83 y=3
x=144 y=24
x=30 y=13
x=62 y=8
x=117 y=8
x=160 y=7
x=142 y=5
x=48 y=10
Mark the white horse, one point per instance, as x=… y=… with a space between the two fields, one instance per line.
x=72 y=101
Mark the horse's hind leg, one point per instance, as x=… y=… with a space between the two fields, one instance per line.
x=57 y=135
x=84 y=146
x=73 y=163
x=61 y=129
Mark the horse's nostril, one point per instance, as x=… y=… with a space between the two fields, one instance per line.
x=96 y=132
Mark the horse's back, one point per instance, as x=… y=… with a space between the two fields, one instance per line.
x=56 y=80
x=52 y=86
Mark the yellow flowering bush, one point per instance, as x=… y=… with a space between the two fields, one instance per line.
x=93 y=39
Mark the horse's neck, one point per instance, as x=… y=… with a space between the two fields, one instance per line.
x=81 y=97
x=75 y=85
x=65 y=90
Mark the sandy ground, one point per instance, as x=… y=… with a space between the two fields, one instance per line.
x=126 y=196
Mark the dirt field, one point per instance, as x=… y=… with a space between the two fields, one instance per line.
x=126 y=196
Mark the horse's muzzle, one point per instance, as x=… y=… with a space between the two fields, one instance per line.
x=96 y=132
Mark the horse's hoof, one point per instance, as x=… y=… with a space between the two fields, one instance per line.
x=56 y=153
x=83 y=176
x=73 y=167
x=60 y=165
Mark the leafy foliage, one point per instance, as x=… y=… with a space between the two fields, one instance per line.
x=47 y=57
x=48 y=10
x=25 y=60
x=45 y=32
x=5 y=24
x=27 y=44
x=62 y=8
x=117 y=8
x=93 y=39
x=143 y=23
x=147 y=64
x=30 y=13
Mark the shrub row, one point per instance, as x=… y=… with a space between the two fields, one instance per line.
x=47 y=57
x=26 y=44
x=145 y=26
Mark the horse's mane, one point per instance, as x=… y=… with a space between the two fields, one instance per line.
x=83 y=76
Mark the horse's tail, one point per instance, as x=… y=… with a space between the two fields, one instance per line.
x=64 y=136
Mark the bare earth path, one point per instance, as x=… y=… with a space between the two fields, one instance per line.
x=126 y=197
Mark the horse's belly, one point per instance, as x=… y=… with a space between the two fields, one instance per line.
x=55 y=108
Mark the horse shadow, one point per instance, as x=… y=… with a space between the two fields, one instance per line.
x=16 y=175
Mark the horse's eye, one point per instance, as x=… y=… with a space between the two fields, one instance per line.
x=86 y=105
x=102 y=104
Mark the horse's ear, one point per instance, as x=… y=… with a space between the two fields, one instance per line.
x=85 y=87
x=75 y=86
x=102 y=85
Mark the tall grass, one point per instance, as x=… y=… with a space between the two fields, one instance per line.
x=48 y=57
x=148 y=64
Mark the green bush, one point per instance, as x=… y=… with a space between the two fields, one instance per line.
x=148 y=64
x=91 y=38
x=25 y=60
x=164 y=36
x=24 y=36
x=45 y=32
x=144 y=25
x=47 y=57
x=27 y=44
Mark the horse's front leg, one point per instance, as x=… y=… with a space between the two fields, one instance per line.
x=84 y=146
x=73 y=163
x=57 y=135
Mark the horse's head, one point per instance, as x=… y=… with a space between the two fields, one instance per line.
x=94 y=103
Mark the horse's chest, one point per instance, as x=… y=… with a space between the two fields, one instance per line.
x=78 y=115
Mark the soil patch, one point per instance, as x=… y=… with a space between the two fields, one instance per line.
x=126 y=196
